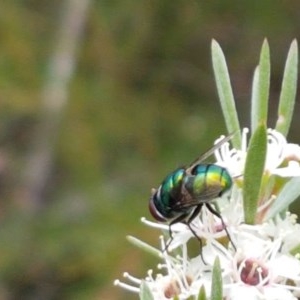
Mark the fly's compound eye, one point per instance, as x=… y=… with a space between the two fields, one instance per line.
x=152 y=206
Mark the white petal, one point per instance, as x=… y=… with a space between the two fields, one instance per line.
x=286 y=266
x=292 y=151
x=278 y=293
x=292 y=170
x=245 y=292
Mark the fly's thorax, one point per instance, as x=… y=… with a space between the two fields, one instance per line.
x=164 y=200
x=172 y=183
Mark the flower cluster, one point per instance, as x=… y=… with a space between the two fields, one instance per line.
x=251 y=245
x=265 y=263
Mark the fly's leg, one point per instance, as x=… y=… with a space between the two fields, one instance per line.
x=181 y=218
x=188 y=223
x=214 y=212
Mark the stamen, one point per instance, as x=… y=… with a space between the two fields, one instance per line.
x=126 y=286
x=154 y=224
x=131 y=278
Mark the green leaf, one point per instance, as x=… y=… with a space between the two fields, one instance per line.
x=289 y=193
x=288 y=90
x=202 y=294
x=260 y=89
x=225 y=93
x=144 y=246
x=216 y=284
x=254 y=168
x=254 y=100
x=145 y=292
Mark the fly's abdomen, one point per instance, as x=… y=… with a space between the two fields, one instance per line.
x=207 y=182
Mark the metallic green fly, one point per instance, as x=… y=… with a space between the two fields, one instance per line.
x=184 y=192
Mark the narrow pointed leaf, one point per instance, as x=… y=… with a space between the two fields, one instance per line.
x=225 y=93
x=288 y=90
x=145 y=292
x=254 y=168
x=259 y=110
x=255 y=100
x=202 y=294
x=216 y=285
x=289 y=193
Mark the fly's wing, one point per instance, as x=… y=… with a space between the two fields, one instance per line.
x=185 y=203
x=209 y=152
x=188 y=199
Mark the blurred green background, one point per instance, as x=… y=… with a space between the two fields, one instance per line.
x=140 y=100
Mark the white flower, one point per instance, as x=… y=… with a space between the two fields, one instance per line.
x=183 y=277
x=261 y=268
x=230 y=158
x=285 y=228
x=261 y=271
x=261 y=262
x=279 y=152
